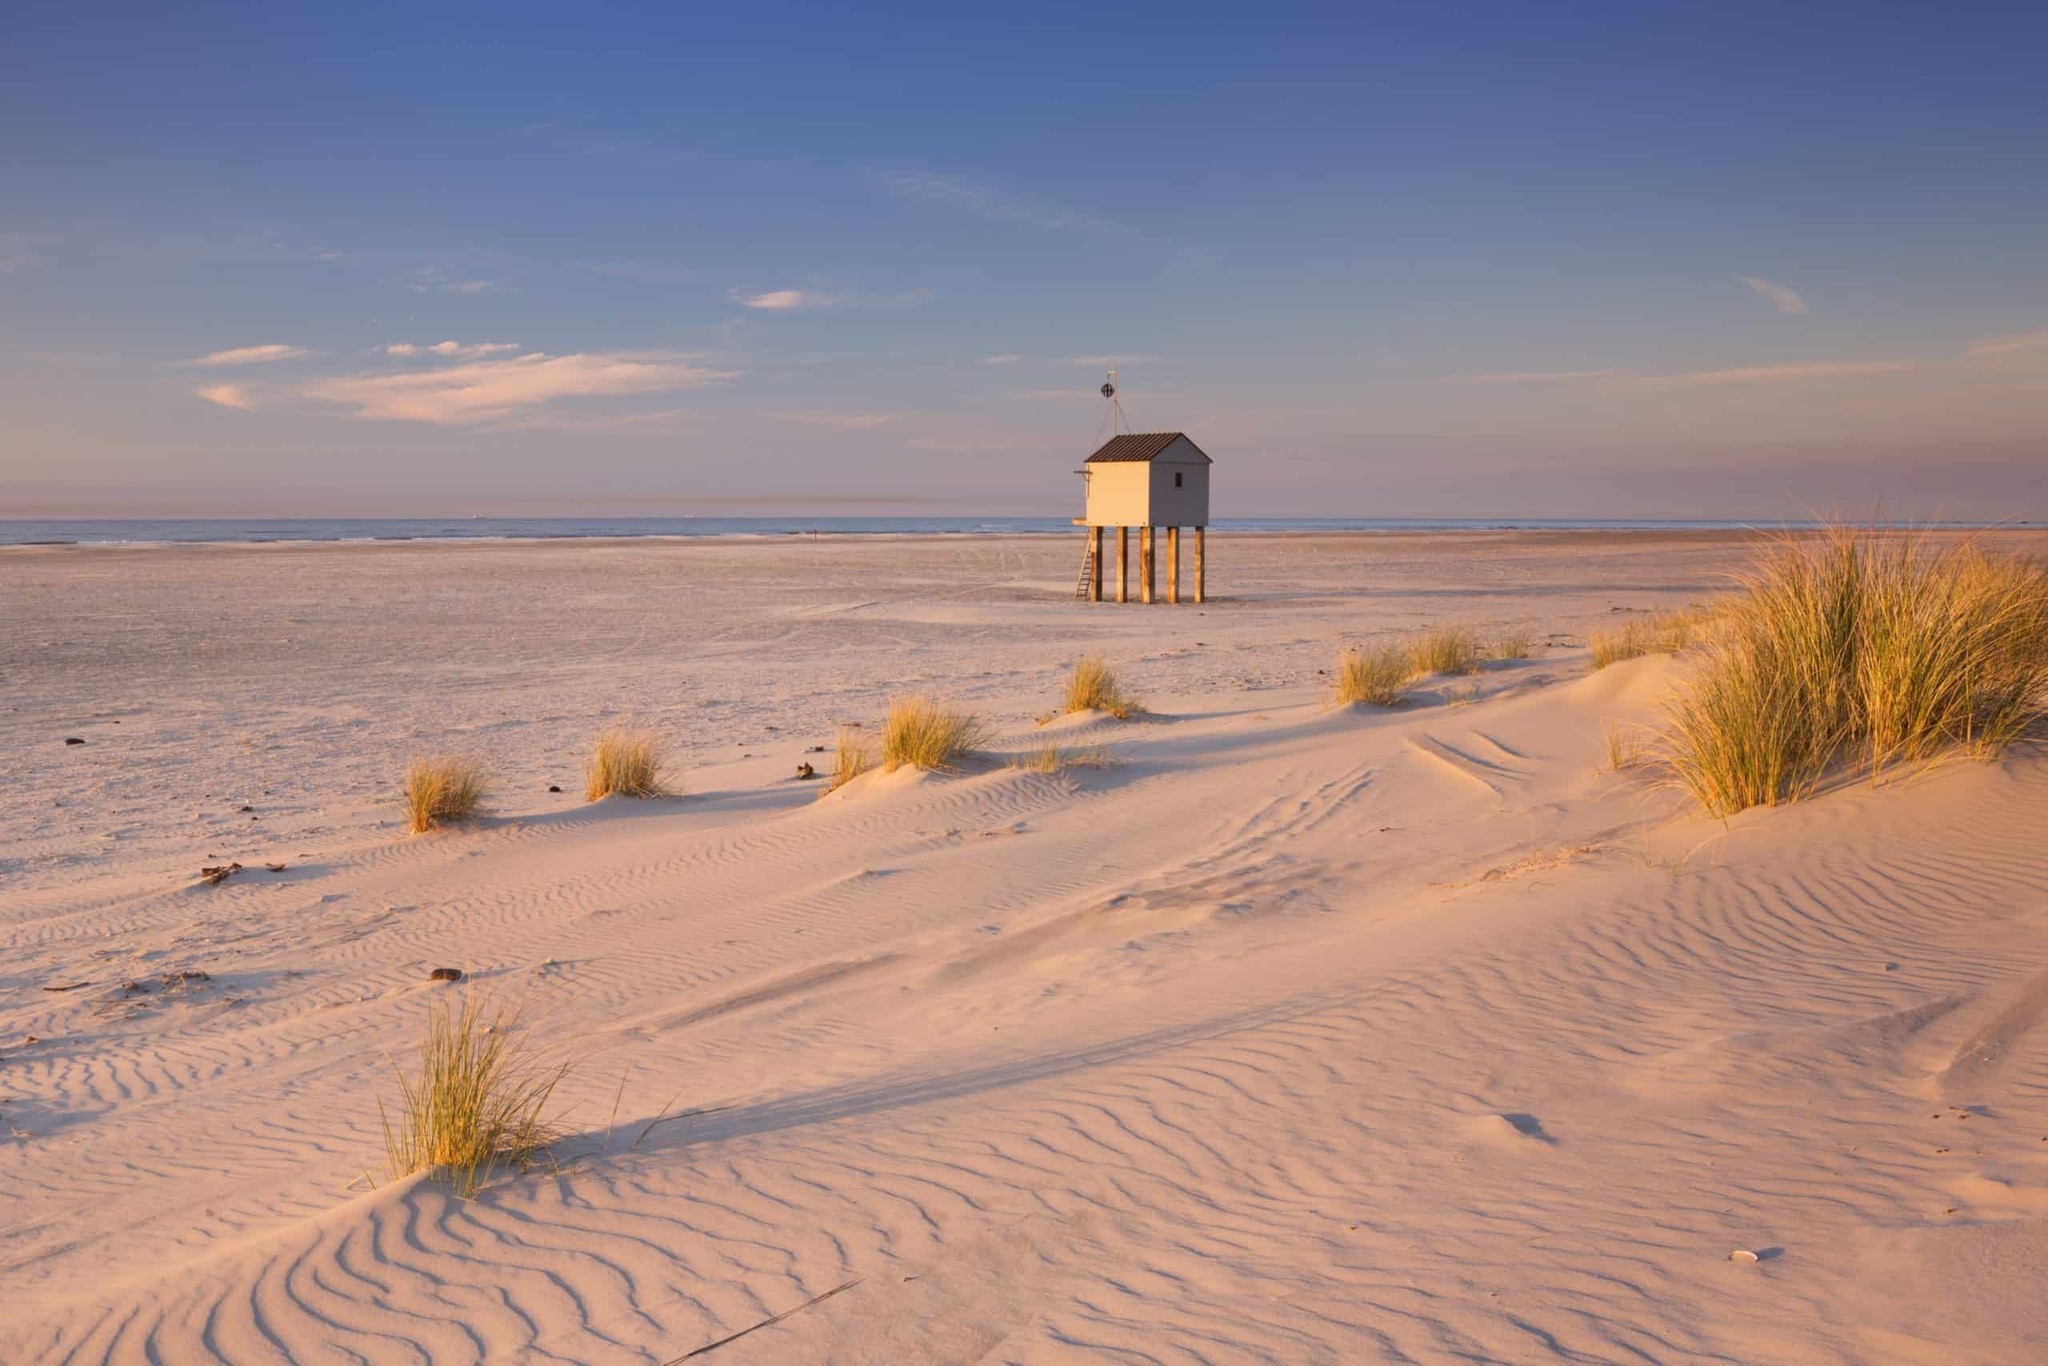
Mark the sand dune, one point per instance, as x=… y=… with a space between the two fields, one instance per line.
x=1295 y=1034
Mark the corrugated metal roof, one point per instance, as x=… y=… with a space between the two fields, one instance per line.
x=1140 y=446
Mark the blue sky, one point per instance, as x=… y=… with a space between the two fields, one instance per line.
x=1377 y=259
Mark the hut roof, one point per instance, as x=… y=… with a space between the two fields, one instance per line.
x=1140 y=446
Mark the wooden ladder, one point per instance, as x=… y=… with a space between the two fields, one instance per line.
x=1087 y=569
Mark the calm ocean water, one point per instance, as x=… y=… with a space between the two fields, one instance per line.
x=114 y=531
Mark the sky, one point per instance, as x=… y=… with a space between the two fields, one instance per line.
x=1631 y=260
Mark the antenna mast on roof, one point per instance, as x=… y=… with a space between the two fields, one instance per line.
x=1118 y=422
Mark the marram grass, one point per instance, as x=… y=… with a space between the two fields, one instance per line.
x=628 y=763
x=1658 y=633
x=1054 y=759
x=479 y=1101
x=1094 y=687
x=928 y=735
x=440 y=790
x=851 y=758
x=1862 y=648
x=1375 y=677
x=1446 y=650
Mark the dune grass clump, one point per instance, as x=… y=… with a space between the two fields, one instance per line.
x=1625 y=748
x=1374 y=677
x=1446 y=650
x=1094 y=687
x=1518 y=644
x=440 y=790
x=480 y=1100
x=928 y=735
x=1659 y=633
x=1053 y=759
x=1859 y=647
x=625 y=762
x=850 y=759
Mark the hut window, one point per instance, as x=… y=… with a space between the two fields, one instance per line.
x=1176 y=478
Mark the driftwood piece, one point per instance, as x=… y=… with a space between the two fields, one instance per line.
x=218 y=873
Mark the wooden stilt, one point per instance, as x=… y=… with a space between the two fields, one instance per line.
x=1201 y=584
x=1095 y=564
x=1123 y=564
x=1173 y=564
x=1145 y=563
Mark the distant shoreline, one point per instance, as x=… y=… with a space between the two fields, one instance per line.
x=59 y=532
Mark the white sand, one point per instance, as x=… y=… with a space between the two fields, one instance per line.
x=1298 y=1035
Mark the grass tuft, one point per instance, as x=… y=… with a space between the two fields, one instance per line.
x=1446 y=650
x=1094 y=688
x=440 y=790
x=1375 y=676
x=1517 y=644
x=1052 y=758
x=851 y=759
x=928 y=735
x=1865 y=647
x=1659 y=633
x=626 y=762
x=1625 y=749
x=480 y=1100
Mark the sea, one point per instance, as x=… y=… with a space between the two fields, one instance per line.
x=178 y=531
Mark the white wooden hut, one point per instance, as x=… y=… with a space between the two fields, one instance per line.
x=1146 y=480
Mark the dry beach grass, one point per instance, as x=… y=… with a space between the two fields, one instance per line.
x=480 y=1100
x=1866 y=649
x=440 y=790
x=626 y=763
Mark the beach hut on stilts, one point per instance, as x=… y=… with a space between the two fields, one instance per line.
x=1150 y=481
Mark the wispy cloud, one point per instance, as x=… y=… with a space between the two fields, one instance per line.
x=226 y=395
x=1538 y=376
x=451 y=350
x=1784 y=298
x=435 y=280
x=1798 y=370
x=486 y=390
x=1004 y=359
x=252 y=355
x=2007 y=345
x=9 y=265
x=841 y=422
x=783 y=300
x=999 y=205
x=806 y=300
x=1109 y=360
x=1739 y=374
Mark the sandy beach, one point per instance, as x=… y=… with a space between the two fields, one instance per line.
x=1294 y=1033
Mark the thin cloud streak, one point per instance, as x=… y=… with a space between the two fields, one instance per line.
x=1739 y=374
x=805 y=300
x=781 y=300
x=252 y=355
x=1538 y=376
x=1765 y=374
x=1784 y=298
x=2008 y=344
x=997 y=205
x=227 y=396
x=840 y=422
x=451 y=350
x=483 y=391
